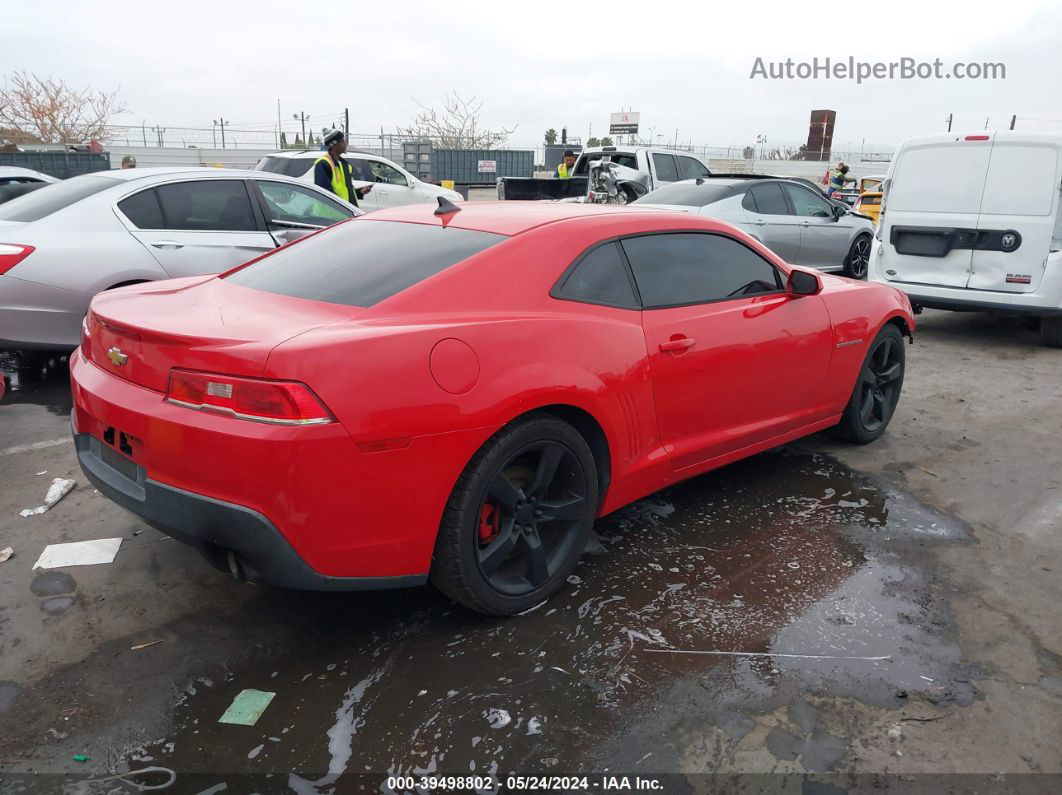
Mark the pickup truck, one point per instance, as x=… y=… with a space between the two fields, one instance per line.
x=641 y=169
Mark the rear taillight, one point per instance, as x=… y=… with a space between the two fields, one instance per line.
x=976 y=137
x=86 y=338
x=278 y=402
x=11 y=254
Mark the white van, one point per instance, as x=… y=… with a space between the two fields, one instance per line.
x=971 y=221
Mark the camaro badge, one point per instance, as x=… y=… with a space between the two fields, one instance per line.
x=117 y=357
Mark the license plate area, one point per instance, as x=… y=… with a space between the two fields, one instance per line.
x=125 y=467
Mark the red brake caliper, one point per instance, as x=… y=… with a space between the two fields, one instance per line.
x=489 y=523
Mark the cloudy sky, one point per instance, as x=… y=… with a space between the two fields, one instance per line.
x=684 y=65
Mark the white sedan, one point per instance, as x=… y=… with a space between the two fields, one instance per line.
x=392 y=185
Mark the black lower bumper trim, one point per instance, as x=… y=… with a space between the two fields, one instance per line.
x=216 y=527
x=962 y=305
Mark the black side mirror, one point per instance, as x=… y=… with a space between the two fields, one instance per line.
x=803 y=283
x=839 y=211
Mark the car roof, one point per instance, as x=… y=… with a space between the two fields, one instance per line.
x=293 y=154
x=506 y=217
x=18 y=171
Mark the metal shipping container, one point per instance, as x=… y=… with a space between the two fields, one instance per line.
x=481 y=166
x=57 y=164
x=416 y=157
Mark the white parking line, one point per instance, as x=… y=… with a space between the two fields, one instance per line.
x=25 y=448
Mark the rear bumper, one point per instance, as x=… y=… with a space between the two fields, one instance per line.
x=306 y=506
x=215 y=527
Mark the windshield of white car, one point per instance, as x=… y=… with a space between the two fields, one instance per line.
x=289 y=166
x=688 y=194
x=41 y=203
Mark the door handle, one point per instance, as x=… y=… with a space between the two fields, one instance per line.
x=167 y=244
x=759 y=222
x=677 y=343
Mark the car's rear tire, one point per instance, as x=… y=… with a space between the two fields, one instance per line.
x=518 y=519
x=877 y=389
x=1051 y=331
x=858 y=260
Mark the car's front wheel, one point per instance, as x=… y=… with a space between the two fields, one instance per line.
x=518 y=519
x=858 y=259
x=877 y=389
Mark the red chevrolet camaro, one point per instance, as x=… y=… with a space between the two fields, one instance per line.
x=458 y=394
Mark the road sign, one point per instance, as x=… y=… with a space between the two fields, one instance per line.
x=625 y=123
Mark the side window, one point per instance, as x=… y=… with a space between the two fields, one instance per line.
x=600 y=278
x=215 y=205
x=690 y=268
x=359 y=169
x=807 y=204
x=387 y=174
x=142 y=209
x=769 y=199
x=664 y=165
x=690 y=168
x=749 y=202
x=301 y=206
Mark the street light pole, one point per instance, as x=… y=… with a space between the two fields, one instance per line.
x=301 y=117
x=220 y=122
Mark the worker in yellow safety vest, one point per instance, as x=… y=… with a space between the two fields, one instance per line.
x=565 y=169
x=332 y=172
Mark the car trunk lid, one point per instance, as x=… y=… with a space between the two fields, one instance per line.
x=202 y=323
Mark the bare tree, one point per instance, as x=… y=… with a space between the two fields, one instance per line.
x=456 y=126
x=50 y=111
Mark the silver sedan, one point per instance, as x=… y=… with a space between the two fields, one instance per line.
x=64 y=243
x=797 y=223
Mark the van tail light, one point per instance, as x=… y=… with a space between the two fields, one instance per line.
x=11 y=254
x=276 y=402
x=976 y=137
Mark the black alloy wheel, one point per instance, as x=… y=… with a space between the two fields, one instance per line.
x=877 y=389
x=519 y=517
x=858 y=261
x=529 y=517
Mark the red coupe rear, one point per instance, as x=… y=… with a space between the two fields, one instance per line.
x=408 y=395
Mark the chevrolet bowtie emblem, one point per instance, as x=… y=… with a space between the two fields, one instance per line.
x=117 y=357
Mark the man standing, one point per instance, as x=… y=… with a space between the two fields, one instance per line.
x=332 y=172
x=838 y=179
x=564 y=170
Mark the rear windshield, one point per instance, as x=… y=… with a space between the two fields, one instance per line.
x=626 y=159
x=362 y=262
x=35 y=206
x=689 y=194
x=291 y=166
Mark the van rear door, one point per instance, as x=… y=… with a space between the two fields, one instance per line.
x=934 y=192
x=1017 y=216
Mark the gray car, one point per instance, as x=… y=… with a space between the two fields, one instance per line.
x=64 y=243
x=797 y=223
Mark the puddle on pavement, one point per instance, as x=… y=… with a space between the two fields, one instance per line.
x=41 y=379
x=785 y=554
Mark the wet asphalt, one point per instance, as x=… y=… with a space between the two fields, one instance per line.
x=761 y=590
